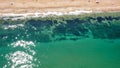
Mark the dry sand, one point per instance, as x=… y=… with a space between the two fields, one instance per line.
x=31 y=6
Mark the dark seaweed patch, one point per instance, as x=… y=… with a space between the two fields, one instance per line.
x=47 y=30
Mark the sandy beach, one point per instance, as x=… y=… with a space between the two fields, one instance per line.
x=36 y=8
x=30 y=6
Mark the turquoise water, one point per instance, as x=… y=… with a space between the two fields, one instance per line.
x=74 y=43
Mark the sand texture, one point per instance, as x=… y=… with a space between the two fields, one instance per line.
x=31 y=6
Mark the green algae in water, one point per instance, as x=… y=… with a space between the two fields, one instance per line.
x=90 y=41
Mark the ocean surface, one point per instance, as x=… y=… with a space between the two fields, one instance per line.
x=66 y=43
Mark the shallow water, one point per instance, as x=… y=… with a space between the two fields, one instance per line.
x=84 y=53
x=22 y=46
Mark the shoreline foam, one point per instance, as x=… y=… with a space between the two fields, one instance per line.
x=14 y=16
x=21 y=16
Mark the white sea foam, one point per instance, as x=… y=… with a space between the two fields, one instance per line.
x=42 y=14
x=12 y=26
x=28 y=45
x=23 y=43
x=20 y=58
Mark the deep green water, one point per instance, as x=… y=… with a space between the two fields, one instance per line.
x=93 y=42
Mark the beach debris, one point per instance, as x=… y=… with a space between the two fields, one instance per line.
x=11 y=3
x=88 y=0
x=97 y=1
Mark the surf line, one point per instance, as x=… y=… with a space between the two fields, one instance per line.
x=14 y=16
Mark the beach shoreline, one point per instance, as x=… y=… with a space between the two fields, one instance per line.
x=42 y=8
x=14 y=16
